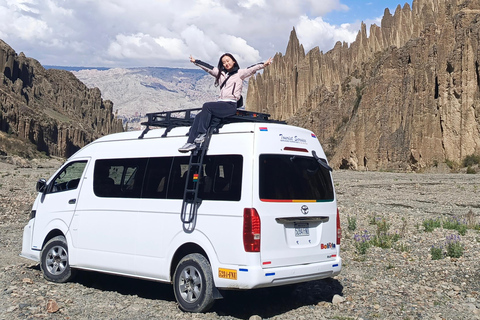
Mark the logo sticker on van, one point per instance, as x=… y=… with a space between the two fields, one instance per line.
x=329 y=245
x=304 y=209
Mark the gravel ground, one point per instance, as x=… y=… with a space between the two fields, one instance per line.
x=402 y=282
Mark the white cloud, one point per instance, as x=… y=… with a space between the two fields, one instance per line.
x=163 y=32
x=243 y=52
x=316 y=32
x=250 y=3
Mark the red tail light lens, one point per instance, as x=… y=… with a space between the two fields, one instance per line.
x=339 y=229
x=251 y=230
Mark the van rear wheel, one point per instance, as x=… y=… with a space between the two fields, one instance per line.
x=54 y=261
x=193 y=283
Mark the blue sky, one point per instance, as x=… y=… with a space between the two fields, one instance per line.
x=363 y=10
x=164 y=33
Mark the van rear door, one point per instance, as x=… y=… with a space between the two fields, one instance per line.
x=297 y=205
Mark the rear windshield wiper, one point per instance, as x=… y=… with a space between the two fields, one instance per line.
x=321 y=162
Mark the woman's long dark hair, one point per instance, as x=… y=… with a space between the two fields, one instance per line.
x=222 y=68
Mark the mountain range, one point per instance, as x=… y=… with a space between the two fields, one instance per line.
x=137 y=91
x=47 y=111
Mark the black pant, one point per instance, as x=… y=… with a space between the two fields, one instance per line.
x=219 y=109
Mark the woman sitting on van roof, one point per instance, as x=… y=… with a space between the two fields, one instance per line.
x=229 y=77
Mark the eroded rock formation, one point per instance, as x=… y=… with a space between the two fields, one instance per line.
x=50 y=108
x=406 y=96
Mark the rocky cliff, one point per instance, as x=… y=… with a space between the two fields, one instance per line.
x=50 y=108
x=405 y=97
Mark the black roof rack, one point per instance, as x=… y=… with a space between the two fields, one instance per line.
x=185 y=117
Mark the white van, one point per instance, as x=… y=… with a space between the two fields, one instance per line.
x=266 y=212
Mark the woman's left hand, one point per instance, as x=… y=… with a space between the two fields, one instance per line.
x=268 y=62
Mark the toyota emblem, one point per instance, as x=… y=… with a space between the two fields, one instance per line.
x=304 y=209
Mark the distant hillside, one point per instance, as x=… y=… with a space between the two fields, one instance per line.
x=50 y=109
x=405 y=97
x=137 y=91
x=74 y=68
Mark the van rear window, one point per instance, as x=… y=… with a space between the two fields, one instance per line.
x=290 y=177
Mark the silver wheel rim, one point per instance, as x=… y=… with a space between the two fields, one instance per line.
x=190 y=284
x=57 y=260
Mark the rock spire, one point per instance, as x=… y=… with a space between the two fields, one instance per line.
x=407 y=96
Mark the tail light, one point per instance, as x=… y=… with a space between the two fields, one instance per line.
x=339 y=229
x=251 y=230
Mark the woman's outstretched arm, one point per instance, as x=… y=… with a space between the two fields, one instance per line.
x=205 y=66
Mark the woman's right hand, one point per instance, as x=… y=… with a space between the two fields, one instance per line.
x=191 y=59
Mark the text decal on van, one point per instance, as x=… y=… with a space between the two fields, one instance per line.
x=292 y=139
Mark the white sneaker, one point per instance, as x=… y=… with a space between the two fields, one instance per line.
x=200 y=138
x=187 y=147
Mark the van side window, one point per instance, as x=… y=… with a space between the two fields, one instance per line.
x=165 y=178
x=222 y=178
x=289 y=177
x=178 y=176
x=119 y=178
x=69 y=177
x=156 y=178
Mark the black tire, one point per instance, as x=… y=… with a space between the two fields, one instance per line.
x=54 y=261
x=193 y=283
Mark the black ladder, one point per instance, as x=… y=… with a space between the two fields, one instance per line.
x=191 y=200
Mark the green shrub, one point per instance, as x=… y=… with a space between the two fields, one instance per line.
x=471 y=170
x=454 y=247
x=383 y=239
x=451 y=164
x=430 y=224
x=436 y=252
x=454 y=223
x=352 y=223
x=471 y=160
x=362 y=242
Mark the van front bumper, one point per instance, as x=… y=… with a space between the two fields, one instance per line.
x=27 y=251
x=258 y=277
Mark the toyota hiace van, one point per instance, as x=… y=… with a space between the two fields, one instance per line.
x=265 y=210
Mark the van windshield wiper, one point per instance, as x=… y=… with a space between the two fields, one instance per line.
x=321 y=162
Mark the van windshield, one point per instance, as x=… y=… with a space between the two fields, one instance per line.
x=289 y=177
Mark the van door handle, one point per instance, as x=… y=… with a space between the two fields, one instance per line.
x=72 y=201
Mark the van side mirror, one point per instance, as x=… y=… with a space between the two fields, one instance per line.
x=41 y=185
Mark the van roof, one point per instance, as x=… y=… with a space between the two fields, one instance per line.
x=185 y=117
x=180 y=131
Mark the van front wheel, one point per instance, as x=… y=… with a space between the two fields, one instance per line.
x=193 y=283
x=54 y=261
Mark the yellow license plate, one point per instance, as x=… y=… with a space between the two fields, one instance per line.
x=227 y=274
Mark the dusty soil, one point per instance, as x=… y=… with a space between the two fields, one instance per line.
x=401 y=282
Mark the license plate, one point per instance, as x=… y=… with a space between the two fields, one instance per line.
x=227 y=274
x=301 y=229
